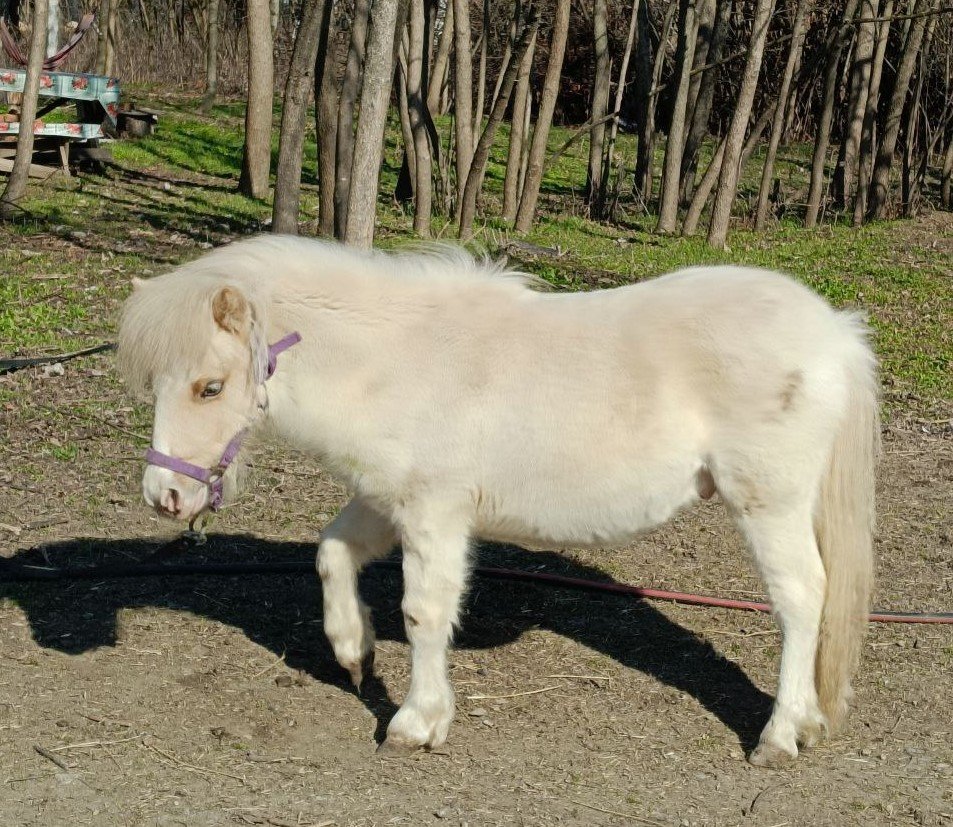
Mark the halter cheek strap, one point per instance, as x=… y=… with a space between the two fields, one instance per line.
x=214 y=477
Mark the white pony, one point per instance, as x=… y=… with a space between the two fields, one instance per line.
x=457 y=403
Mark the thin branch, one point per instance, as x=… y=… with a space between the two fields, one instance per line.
x=584 y=129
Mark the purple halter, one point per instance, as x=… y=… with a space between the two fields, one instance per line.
x=213 y=478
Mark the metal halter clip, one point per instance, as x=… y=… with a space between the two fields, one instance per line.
x=195 y=536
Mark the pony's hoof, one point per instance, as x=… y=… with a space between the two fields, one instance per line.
x=771 y=756
x=359 y=670
x=396 y=748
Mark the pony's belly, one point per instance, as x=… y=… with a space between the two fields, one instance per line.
x=577 y=518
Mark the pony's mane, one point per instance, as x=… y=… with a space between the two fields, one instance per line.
x=166 y=320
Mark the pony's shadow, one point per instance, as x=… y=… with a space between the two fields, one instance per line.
x=281 y=612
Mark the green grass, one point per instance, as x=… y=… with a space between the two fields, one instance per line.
x=178 y=195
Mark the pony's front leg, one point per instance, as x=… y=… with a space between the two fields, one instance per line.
x=435 y=569
x=358 y=535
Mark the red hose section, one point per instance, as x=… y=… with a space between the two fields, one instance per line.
x=684 y=597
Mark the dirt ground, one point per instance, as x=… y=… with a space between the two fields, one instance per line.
x=216 y=701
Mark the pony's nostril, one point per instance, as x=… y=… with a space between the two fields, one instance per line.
x=170 y=501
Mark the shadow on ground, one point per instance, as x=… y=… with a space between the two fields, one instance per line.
x=74 y=616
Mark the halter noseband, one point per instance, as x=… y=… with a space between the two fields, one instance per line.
x=213 y=478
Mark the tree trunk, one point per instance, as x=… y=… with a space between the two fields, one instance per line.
x=481 y=74
x=777 y=126
x=406 y=177
x=707 y=184
x=438 y=77
x=112 y=26
x=705 y=22
x=325 y=115
x=53 y=28
x=857 y=102
x=704 y=99
x=880 y=180
x=946 y=182
x=19 y=175
x=371 y=120
x=867 y=136
x=547 y=105
x=595 y=189
x=508 y=51
x=315 y=19
x=619 y=95
x=350 y=87
x=522 y=102
x=462 y=95
x=730 y=167
x=835 y=45
x=256 y=160
x=911 y=179
x=417 y=104
x=211 y=57
x=645 y=157
x=102 y=44
x=668 y=206
x=482 y=153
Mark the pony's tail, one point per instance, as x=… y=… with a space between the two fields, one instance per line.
x=844 y=525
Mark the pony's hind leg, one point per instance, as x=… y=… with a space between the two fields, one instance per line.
x=435 y=568
x=787 y=555
x=357 y=536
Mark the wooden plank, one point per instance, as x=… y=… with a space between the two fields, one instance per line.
x=36 y=170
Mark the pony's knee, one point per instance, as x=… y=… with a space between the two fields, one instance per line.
x=334 y=556
x=429 y=614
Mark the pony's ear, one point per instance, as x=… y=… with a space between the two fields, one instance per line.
x=232 y=312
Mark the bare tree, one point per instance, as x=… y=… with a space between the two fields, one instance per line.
x=645 y=157
x=600 y=102
x=407 y=175
x=256 y=159
x=708 y=52
x=482 y=152
x=836 y=41
x=350 y=87
x=547 y=105
x=438 y=77
x=946 y=185
x=325 y=115
x=880 y=179
x=620 y=93
x=481 y=73
x=915 y=140
x=668 y=207
x=730 y=166
x=211 y=56
x=794 y=58
x=416 y=104
x=865 y=161
x=462 y=94
x=105 y=48
x=372 y=118
x=707 y=183
x=522 y=106
x=846 y=173
x=19 y=175
x=315 y=18
x=507 y=51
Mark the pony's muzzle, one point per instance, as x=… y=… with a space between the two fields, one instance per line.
x=173 y=495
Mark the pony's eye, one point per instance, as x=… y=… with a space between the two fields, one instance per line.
x=212 y=389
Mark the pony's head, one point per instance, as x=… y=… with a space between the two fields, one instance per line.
x=191 y=340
